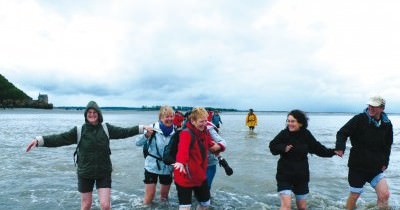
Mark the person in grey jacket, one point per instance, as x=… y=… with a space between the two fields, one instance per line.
x=154 y=167
x=93 y=160
x=212 y=158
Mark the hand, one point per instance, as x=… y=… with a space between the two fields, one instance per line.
x=384 y=168
x=215 y=148
x=149 y=132
x=180 y=167
x=148 y=128
x=288 y=148
x=339 y=153
x=34 y=143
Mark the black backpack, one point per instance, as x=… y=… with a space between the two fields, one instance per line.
x=171 y=149
x=146 y=146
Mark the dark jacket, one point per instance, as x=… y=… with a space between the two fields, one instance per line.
x=295 y=162
x=371 y=145
x=94 y=147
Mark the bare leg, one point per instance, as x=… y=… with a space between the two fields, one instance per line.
x=352 y=200
x=86 y=201
x=104 y=197
x=150 y=192
x=200 y=207
x=285 y=202
x=382 y=192
x=301 y=204
x=164 y=190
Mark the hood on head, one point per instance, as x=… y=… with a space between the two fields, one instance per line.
x=93 y=105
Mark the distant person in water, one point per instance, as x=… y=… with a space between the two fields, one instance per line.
x=293 y=145
x=251 y=120
x=93 y=153
x=371 y=137
x=216 y=119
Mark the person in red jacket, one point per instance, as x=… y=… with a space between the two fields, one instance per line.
x=191 y=162
x=178 y=119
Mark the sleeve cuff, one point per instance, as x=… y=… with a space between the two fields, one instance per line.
x=40 y=141
x=141 y=128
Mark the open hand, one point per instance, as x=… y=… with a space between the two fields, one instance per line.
x=32 y=145
x=180 y=167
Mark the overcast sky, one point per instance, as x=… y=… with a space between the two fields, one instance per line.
x=313 y=55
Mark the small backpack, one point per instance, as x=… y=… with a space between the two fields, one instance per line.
x=171 y=149
x=78 y=141
x=147 y=144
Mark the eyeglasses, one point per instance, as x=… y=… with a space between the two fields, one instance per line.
x=291 y=121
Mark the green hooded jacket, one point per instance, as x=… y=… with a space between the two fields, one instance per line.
x=94 y=147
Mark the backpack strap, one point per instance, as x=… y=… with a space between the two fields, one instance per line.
x=158 y=158
x=105 y=128
x=79 y=136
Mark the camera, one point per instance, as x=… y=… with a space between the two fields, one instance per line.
x=222 y=163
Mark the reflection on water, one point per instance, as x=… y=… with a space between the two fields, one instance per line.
x=46 y=179
x=251 y=134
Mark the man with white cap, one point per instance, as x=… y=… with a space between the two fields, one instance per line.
x=371 y=137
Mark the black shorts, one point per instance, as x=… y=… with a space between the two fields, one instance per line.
x=298 y=184
x=357 y=178
x=202 y=193
x=151 y=178
x=86 y=185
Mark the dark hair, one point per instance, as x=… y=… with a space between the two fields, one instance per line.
x=300 y=116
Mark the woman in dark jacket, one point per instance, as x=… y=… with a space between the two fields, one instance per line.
x=293 y=145
x=94 y=165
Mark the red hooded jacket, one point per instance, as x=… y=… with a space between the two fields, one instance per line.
x=194 y=161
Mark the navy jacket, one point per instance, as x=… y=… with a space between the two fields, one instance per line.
x=371 y=145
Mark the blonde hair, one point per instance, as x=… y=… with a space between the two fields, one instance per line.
x=164 y=111
x=198 y=112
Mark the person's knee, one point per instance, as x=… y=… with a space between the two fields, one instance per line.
x=354 y=196
x=86 y=205
x=86 y=201
x=301 y=204
x=151 y=193
x=105 y=205
x=384 y=196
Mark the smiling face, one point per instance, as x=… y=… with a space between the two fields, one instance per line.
x=200 y=123
x=293 y=124
x=167 y=119
x=92 y=116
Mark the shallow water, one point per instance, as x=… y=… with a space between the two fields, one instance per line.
x=45 y=178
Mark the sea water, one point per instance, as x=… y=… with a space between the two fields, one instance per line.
x=45 y=178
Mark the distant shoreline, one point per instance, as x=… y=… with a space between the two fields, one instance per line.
x=118 y=108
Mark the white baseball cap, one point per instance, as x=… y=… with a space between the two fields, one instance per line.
x=376 y=101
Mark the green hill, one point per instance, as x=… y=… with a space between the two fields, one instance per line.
x=12 y=97
x=9 y=92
